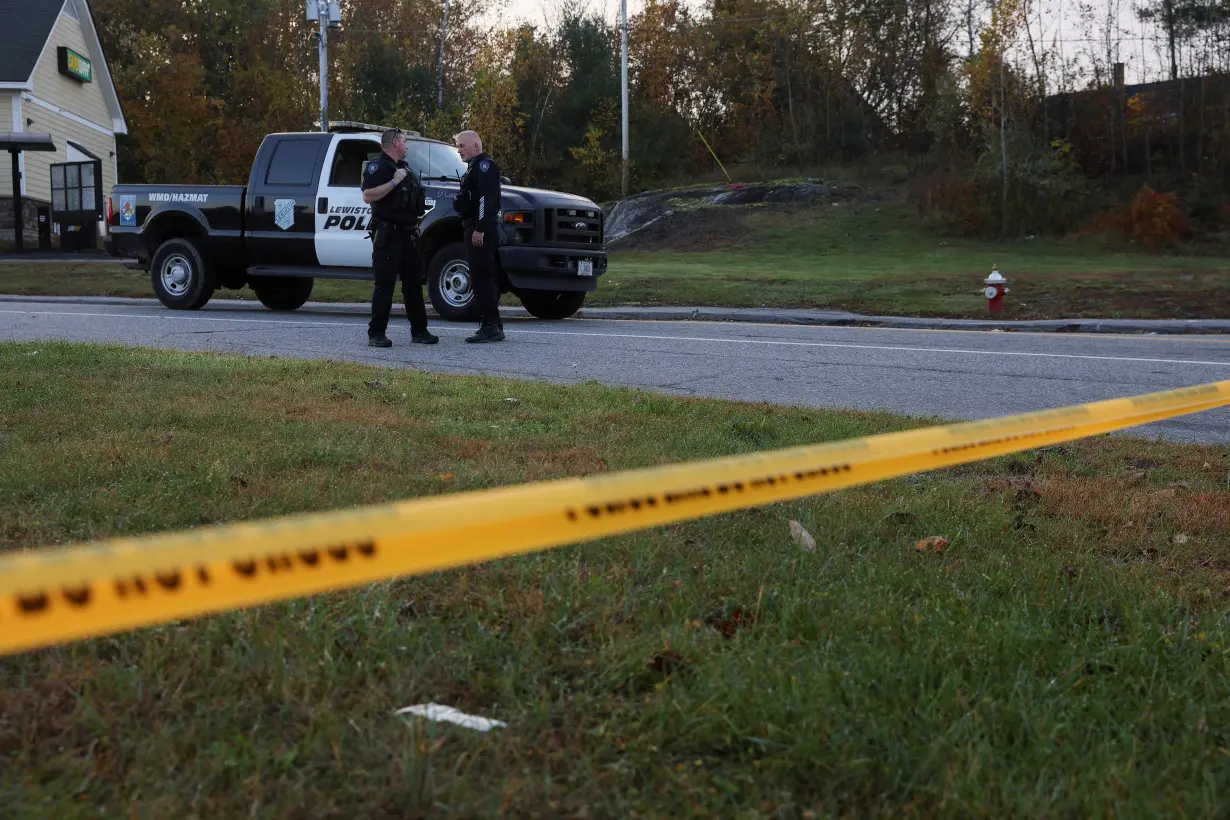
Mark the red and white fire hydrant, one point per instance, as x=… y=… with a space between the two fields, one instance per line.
x=996 y=287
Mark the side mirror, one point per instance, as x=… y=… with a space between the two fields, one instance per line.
x=505 y=181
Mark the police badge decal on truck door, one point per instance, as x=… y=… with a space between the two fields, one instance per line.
x=342 y=218
x=284 y=213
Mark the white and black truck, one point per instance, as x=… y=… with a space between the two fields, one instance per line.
x=301 y=217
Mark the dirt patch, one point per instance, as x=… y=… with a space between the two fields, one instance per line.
x=1192 y=295
x=699 y=230
x=708 y=217
x=1198 y=294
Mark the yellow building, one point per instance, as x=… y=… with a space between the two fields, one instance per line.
x=54 y=83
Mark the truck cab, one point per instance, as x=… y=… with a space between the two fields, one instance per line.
x=301 y=217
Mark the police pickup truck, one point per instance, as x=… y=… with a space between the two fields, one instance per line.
x=301 y=217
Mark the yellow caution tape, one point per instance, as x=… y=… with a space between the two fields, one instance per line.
x=53 y=596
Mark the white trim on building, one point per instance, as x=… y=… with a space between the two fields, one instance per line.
x=86 y=19
x=55 y=109
x=19 y=125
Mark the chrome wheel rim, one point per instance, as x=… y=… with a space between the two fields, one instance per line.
x=176 y=273
x=455 y=284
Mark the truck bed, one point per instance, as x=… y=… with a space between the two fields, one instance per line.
x=143 y=212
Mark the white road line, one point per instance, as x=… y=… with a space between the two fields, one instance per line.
x=239 y=306
x=652 y=337
x=874 y=347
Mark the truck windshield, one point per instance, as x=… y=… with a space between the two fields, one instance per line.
x=433 y=160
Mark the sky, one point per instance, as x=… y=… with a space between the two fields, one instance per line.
x=1059 y=18
x=534 y=10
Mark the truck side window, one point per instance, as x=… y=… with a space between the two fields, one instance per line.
x=349 y=160
x=432 y=160
x=293 y=163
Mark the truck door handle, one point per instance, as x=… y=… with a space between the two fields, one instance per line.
x=258 y=203
x=322 y=205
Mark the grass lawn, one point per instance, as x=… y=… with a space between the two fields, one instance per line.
x=1067 y=655
x=102 y=279
x=869 y=258
x=875 y=258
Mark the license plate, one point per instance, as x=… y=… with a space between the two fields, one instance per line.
x=585 y=268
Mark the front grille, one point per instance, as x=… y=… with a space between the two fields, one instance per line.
x=573 y=226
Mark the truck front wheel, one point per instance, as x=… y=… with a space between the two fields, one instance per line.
x=282 y=292
x=552 y=304
x=181 y=276
x=450 y=286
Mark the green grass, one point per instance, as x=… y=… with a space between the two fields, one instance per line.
x=875 y=258
x=102 y=279
x=1067 y=655
x=859 y=255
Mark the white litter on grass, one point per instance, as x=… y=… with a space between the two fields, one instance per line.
x=802 y=536
x=447 y=714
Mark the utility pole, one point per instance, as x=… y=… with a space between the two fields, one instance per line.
x=624 y=89
x=329 y=15
x=324 y=68
x=440 y=75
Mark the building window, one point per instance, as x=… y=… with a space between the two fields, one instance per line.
x=72 y=187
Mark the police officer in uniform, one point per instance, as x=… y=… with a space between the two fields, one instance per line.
x=479 y=206
x=395 y=194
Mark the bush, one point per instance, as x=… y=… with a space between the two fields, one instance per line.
x=1117 y=221
x=1157 y=220
x=1046 y=191
x=1150 y=219
x=952 y=201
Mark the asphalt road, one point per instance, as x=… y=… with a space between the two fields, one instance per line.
x=946 y=374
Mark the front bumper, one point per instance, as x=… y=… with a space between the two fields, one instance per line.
x=535 y=268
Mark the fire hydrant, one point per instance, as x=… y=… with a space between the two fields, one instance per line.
x=996 y=287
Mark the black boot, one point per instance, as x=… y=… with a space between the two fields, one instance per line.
x=487 y=333
x=424 y=337
x=379 y=341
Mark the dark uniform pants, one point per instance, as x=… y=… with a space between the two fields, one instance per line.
x=399 y=260
x=482 y=278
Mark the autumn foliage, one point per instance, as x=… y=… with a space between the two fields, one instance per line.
x=1156 y=220
x=781 y=87
x=1153 y=220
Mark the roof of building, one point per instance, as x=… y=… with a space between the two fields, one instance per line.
x=27 y=24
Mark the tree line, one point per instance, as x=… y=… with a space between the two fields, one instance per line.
x=989 y=95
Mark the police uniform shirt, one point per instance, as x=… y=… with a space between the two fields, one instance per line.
x=377 y=173
x=482 y=180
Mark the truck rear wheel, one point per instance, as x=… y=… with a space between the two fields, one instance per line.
x=182 y=278
x=282 y=292
x=450 y=286
x=552 y=304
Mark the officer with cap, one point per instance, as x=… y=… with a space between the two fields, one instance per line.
x=396 y=197
x=479 y=206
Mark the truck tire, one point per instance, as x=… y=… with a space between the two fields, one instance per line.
x=182 y=277
x=448 y=284
x=282 y=292
x=552 y=304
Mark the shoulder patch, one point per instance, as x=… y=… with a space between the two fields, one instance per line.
x=372 y=167
x=484 y=166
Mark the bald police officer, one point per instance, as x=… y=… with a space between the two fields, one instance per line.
x=479 y=206
x=396 y=197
